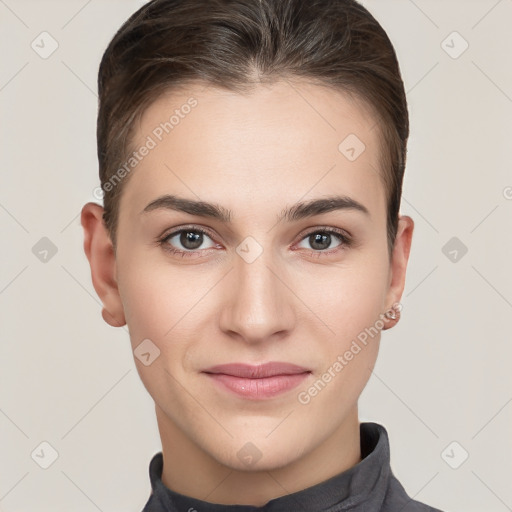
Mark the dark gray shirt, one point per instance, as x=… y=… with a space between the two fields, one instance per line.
x=369 y=486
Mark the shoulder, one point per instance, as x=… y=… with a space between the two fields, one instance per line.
x=397 y=500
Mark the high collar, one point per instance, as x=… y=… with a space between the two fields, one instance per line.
x=361 y=487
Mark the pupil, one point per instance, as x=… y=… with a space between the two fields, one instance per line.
x=191 y=239
x=321 y=239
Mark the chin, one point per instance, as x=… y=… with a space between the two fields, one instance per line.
x=259 y=453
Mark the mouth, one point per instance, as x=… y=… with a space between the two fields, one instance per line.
x=257 y=382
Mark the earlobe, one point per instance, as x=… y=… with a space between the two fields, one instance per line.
x=399 y=260
x=100 y=253
x=111 y=320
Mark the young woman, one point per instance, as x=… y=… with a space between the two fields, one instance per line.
x=251 y=156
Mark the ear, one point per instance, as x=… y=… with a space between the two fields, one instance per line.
x=398 y=267
x=100 y=253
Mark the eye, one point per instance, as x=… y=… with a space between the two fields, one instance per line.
x=188 y=240
x=321 y=239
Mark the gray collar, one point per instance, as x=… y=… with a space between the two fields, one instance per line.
x=362 y=487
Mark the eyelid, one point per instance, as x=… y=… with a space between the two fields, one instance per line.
x=328 y=229
x=191 y=227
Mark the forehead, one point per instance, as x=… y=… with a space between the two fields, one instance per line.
x=279 y=143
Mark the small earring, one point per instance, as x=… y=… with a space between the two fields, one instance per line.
x=391 y=314
x=394 y=312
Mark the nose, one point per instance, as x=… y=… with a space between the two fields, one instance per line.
x=259 y=303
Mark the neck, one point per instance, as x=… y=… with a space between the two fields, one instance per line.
x=191 y=471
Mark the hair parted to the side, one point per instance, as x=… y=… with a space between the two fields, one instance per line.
x=237 y=44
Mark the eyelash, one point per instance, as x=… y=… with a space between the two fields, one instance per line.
x=344 y=238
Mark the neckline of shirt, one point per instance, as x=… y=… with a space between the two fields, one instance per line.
x=366 y=482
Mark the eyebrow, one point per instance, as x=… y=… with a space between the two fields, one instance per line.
x=293 y=213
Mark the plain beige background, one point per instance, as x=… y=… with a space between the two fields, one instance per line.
x=442 y=385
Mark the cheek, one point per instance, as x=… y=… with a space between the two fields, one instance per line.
x=351 y=308
x=164 y=303
x=148 y=294
x=349 y=298
x=157 y=305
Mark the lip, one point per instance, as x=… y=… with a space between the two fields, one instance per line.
x=257 y=382
x=257 y=371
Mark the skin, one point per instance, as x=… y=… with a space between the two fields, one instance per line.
x=253 y=154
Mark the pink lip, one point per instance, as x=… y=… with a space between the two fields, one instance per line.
x=258 y=382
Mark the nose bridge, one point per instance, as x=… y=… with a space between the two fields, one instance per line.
x=259 y=304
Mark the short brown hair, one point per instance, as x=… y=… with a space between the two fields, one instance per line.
x=236 y=44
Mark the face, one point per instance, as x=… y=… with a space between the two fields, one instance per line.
x=252 y=284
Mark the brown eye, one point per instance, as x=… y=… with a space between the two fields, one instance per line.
x=186 y=240
x=322 y=240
